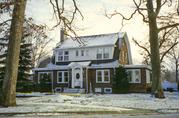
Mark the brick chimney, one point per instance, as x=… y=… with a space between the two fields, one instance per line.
x=62 y=35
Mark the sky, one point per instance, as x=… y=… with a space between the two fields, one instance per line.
x=94 y=21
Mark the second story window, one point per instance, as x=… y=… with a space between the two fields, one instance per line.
x=60 y=56
x=106 y=53
x=63 y=56
x=66 y=55
x=82 y=52
x=102 y=53
x=99 y=53
x=76 y=52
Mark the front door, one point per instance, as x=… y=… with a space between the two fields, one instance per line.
x=77 y=78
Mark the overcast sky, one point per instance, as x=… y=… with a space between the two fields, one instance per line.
x=94 y=20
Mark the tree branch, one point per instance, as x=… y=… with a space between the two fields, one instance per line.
x=168 y=26
x=161 y=59
x=144 y=48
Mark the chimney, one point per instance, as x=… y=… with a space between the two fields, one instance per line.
x=62 y=35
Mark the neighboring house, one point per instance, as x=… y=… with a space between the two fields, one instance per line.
x=89 y=64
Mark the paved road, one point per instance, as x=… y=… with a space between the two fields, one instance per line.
x=173 y=115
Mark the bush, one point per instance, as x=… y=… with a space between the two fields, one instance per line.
x=120 y=81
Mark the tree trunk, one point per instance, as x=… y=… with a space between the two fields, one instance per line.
x=9 y=83
x=154 y=48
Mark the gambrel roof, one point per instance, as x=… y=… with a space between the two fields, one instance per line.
x=91 y=41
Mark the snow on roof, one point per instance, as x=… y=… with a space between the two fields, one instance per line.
x=137 y=66
x=113 y=64
x=51 y=66
x=91 y=41
x=83 y=64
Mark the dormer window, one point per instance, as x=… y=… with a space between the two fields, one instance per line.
x=63 y=56
x=60 y=56
x=76 y=52
x=106 y=53
x=99 y=53
x=66 y=55
x=102 y=53
x=82 y=52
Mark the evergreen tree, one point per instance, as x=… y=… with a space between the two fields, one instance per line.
x=25 y=60
x=120 y=81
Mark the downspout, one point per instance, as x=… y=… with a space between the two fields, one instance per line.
x=52 y=82
x=86 y=79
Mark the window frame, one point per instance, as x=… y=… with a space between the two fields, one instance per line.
x=103 y=76
x=103 y=52
x=63 y=76
x=44 y=73
x=64 y=57
x=133 y=76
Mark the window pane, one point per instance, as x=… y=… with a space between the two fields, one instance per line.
x=99 y=56
x=66 y=53
x=66 y=58
x=106 y=55
x=106 y=76
x=137 y=76
x=60 y=58
x=76 y=52
x=65 y=76
x=82 y=52
x=129 y=76
x=59 y=76
x=99 y=76
x=60 y=53
x=99 y=53
x=87 y=52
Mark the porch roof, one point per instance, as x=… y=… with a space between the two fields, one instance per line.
x=51 y=66
x=83 y=64
x=113 y=64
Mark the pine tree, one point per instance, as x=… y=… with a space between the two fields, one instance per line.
x=120 y=81
x=25 y=62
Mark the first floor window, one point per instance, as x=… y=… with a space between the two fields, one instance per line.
x=44 y=77
x=99 y=76
x=134 y=75
x=102 y=76
x=62 y=76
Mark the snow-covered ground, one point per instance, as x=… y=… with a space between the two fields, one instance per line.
x=90 y=102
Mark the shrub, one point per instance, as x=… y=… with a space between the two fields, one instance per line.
x=120 y=81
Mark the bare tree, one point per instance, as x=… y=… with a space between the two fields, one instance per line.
x=38 y=38
x=16 y=31
x=167 y=41
x=9 y=82
x=150 y=10
x=174 y=55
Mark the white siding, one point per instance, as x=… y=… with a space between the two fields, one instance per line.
x=92 y=51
